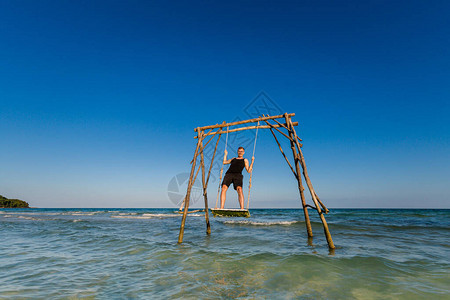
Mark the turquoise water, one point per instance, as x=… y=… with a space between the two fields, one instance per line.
x=133 y=253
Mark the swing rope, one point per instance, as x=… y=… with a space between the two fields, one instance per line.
x=221 y=172
x=251 y=173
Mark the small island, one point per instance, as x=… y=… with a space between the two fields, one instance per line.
x=12 y=203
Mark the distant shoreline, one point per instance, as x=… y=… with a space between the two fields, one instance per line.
x=12 y=203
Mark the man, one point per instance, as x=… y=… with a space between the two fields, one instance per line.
x=234 y=175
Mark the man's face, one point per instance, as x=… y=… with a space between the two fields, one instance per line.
x=241 y=152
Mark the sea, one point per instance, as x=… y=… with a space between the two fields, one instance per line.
x=133 y=254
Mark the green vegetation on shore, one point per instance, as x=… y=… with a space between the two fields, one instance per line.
x=12 y=203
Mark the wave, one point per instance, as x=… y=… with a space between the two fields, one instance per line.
x=44 y=213
x=150 y=215
x=82 y=214
x=144 y=216
x=131 y=217
x=29 y=213
x=30 y=218
x=261 y=223
x=161 y=215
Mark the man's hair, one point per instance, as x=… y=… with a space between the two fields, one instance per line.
x=241 y=148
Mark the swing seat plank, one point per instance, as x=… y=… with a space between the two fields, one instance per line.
x=241 y=213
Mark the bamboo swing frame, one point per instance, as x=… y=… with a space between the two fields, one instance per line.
x=298 y=168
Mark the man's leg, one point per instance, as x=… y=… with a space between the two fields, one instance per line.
x=223 y=196
x=240 y=196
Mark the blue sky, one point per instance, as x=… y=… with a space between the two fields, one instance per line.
x=99 y=99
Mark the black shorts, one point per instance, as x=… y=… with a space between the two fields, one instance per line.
x=234 y=178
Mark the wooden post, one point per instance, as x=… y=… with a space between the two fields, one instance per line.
x=309 y=184
x=212 y=160
x=211 y=165
x=205 y=196
x=299 y=180
x=323 y=205
x=276 y=128
x=188 y=192
x=193 y=181
x=214 y=155
x=282 y=152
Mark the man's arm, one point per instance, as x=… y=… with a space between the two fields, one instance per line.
x=225 y=161
x=247 y=167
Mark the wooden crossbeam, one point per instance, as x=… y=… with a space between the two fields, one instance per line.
x=246 y=128
x=243 y=122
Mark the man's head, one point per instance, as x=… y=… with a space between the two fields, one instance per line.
x=241 y=151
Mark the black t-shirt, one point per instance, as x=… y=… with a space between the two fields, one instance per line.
x=236 y=166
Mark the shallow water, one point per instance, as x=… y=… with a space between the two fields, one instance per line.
x=133 y=253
